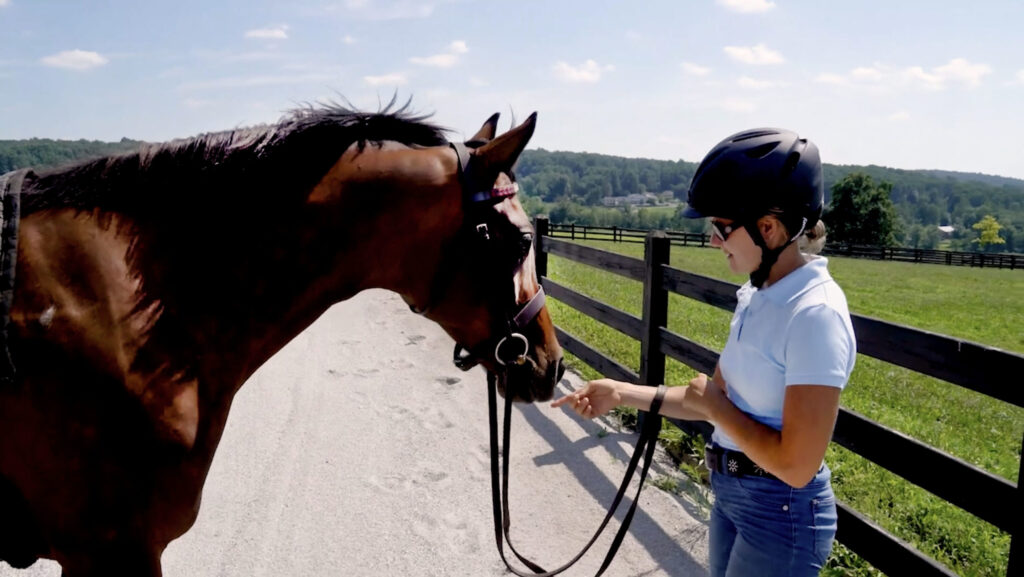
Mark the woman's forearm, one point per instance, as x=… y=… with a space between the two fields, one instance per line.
x=640 y=397
x=764 y=446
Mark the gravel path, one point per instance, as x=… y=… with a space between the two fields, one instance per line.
x=360 y=450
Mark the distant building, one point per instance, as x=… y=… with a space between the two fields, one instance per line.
x=946 y=231
x=638 y=199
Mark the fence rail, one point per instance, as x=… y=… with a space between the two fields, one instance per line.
x=899 y=254
x=967 y=364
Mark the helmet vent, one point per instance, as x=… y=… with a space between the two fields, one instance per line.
x=793 y=158
x=754 y=134
x=762 y=150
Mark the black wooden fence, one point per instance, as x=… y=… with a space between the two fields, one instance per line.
x=918 y=255
x=987 y=370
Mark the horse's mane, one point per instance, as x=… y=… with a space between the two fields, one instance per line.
x=200 y=209
x=256 y=162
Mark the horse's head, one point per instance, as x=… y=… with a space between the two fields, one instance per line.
x=486 y=293
x=441 y=225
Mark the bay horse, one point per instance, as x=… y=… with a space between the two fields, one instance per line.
x=149 y=286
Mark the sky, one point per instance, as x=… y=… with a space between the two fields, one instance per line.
x=902 y=83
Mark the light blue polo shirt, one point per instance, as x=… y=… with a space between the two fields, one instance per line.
x=794 y=332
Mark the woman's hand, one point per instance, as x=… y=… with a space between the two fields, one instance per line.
x=596 y=398
x=705 y=396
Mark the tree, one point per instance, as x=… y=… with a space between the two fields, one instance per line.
x=988 y=227
x=861 y=212
x=923 y=236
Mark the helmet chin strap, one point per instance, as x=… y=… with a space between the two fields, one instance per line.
x=769 y=256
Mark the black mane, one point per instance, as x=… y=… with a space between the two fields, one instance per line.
x=260 y=162
x=203 y=213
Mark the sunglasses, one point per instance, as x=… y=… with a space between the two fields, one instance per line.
x=723 y=231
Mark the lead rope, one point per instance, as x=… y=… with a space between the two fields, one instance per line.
x=499 y=494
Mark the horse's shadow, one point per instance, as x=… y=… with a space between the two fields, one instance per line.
x=672 y=552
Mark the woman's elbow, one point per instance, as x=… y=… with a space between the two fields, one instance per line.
x=799 y=475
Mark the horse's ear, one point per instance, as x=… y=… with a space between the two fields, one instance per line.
x=501 y=154
x=487 y=131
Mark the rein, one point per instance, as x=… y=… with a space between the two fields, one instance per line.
x=499 y=494
x=512 y=349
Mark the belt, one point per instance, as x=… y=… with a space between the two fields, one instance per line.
x=733 y=463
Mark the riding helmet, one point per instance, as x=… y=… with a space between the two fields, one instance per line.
x=754 y=171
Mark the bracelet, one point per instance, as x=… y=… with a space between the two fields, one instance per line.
x=659 y=396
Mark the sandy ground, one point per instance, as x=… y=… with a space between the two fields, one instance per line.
x=360 y=450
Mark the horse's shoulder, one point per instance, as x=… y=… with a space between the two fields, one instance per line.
x=75 y=289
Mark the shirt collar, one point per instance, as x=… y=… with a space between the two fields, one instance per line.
x=811 y=274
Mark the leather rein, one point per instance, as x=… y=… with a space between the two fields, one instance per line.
x=512 y=349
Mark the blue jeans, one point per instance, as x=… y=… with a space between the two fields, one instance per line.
x=765 y=528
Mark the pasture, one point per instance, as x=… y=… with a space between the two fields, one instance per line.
x=980 y=305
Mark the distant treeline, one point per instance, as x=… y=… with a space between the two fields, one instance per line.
x=44 y=153
x=572 y=185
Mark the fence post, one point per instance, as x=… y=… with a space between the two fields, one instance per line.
x=1016 y=564
x=657 y=249
x=572 y=229
x=540 y=258
x=615 y=233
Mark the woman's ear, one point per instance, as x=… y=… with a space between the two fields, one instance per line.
x=771 y=229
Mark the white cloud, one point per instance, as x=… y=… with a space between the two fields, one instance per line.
x=589 y=72
x=444 y=60
x=272 y=33
x=478 y=82
x=754 y=84
x=437 y=60
x=695 y=69
x=348 y=40
x=957 y=71
x=747 y=6
x=4 y=2
x=737 y=105
x=964 y=72
x=395 y=79
x=899 y=116
x=1020 y=76
x=75 y=60
x=866 y=74
x=759 y=54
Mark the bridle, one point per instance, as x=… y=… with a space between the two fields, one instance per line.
x=10 y=216
x=511 y=350
x=512 y=347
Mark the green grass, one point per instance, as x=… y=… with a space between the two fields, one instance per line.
x=981 y=305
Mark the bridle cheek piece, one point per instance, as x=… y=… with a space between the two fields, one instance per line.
x=512 y=349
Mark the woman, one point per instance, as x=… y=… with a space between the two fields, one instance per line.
x=774 y=395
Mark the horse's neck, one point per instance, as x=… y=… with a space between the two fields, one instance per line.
x=384 y=240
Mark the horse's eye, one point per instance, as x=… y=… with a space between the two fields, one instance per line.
x=525 y=243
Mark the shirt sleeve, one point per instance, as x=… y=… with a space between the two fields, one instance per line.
x=820 y=348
